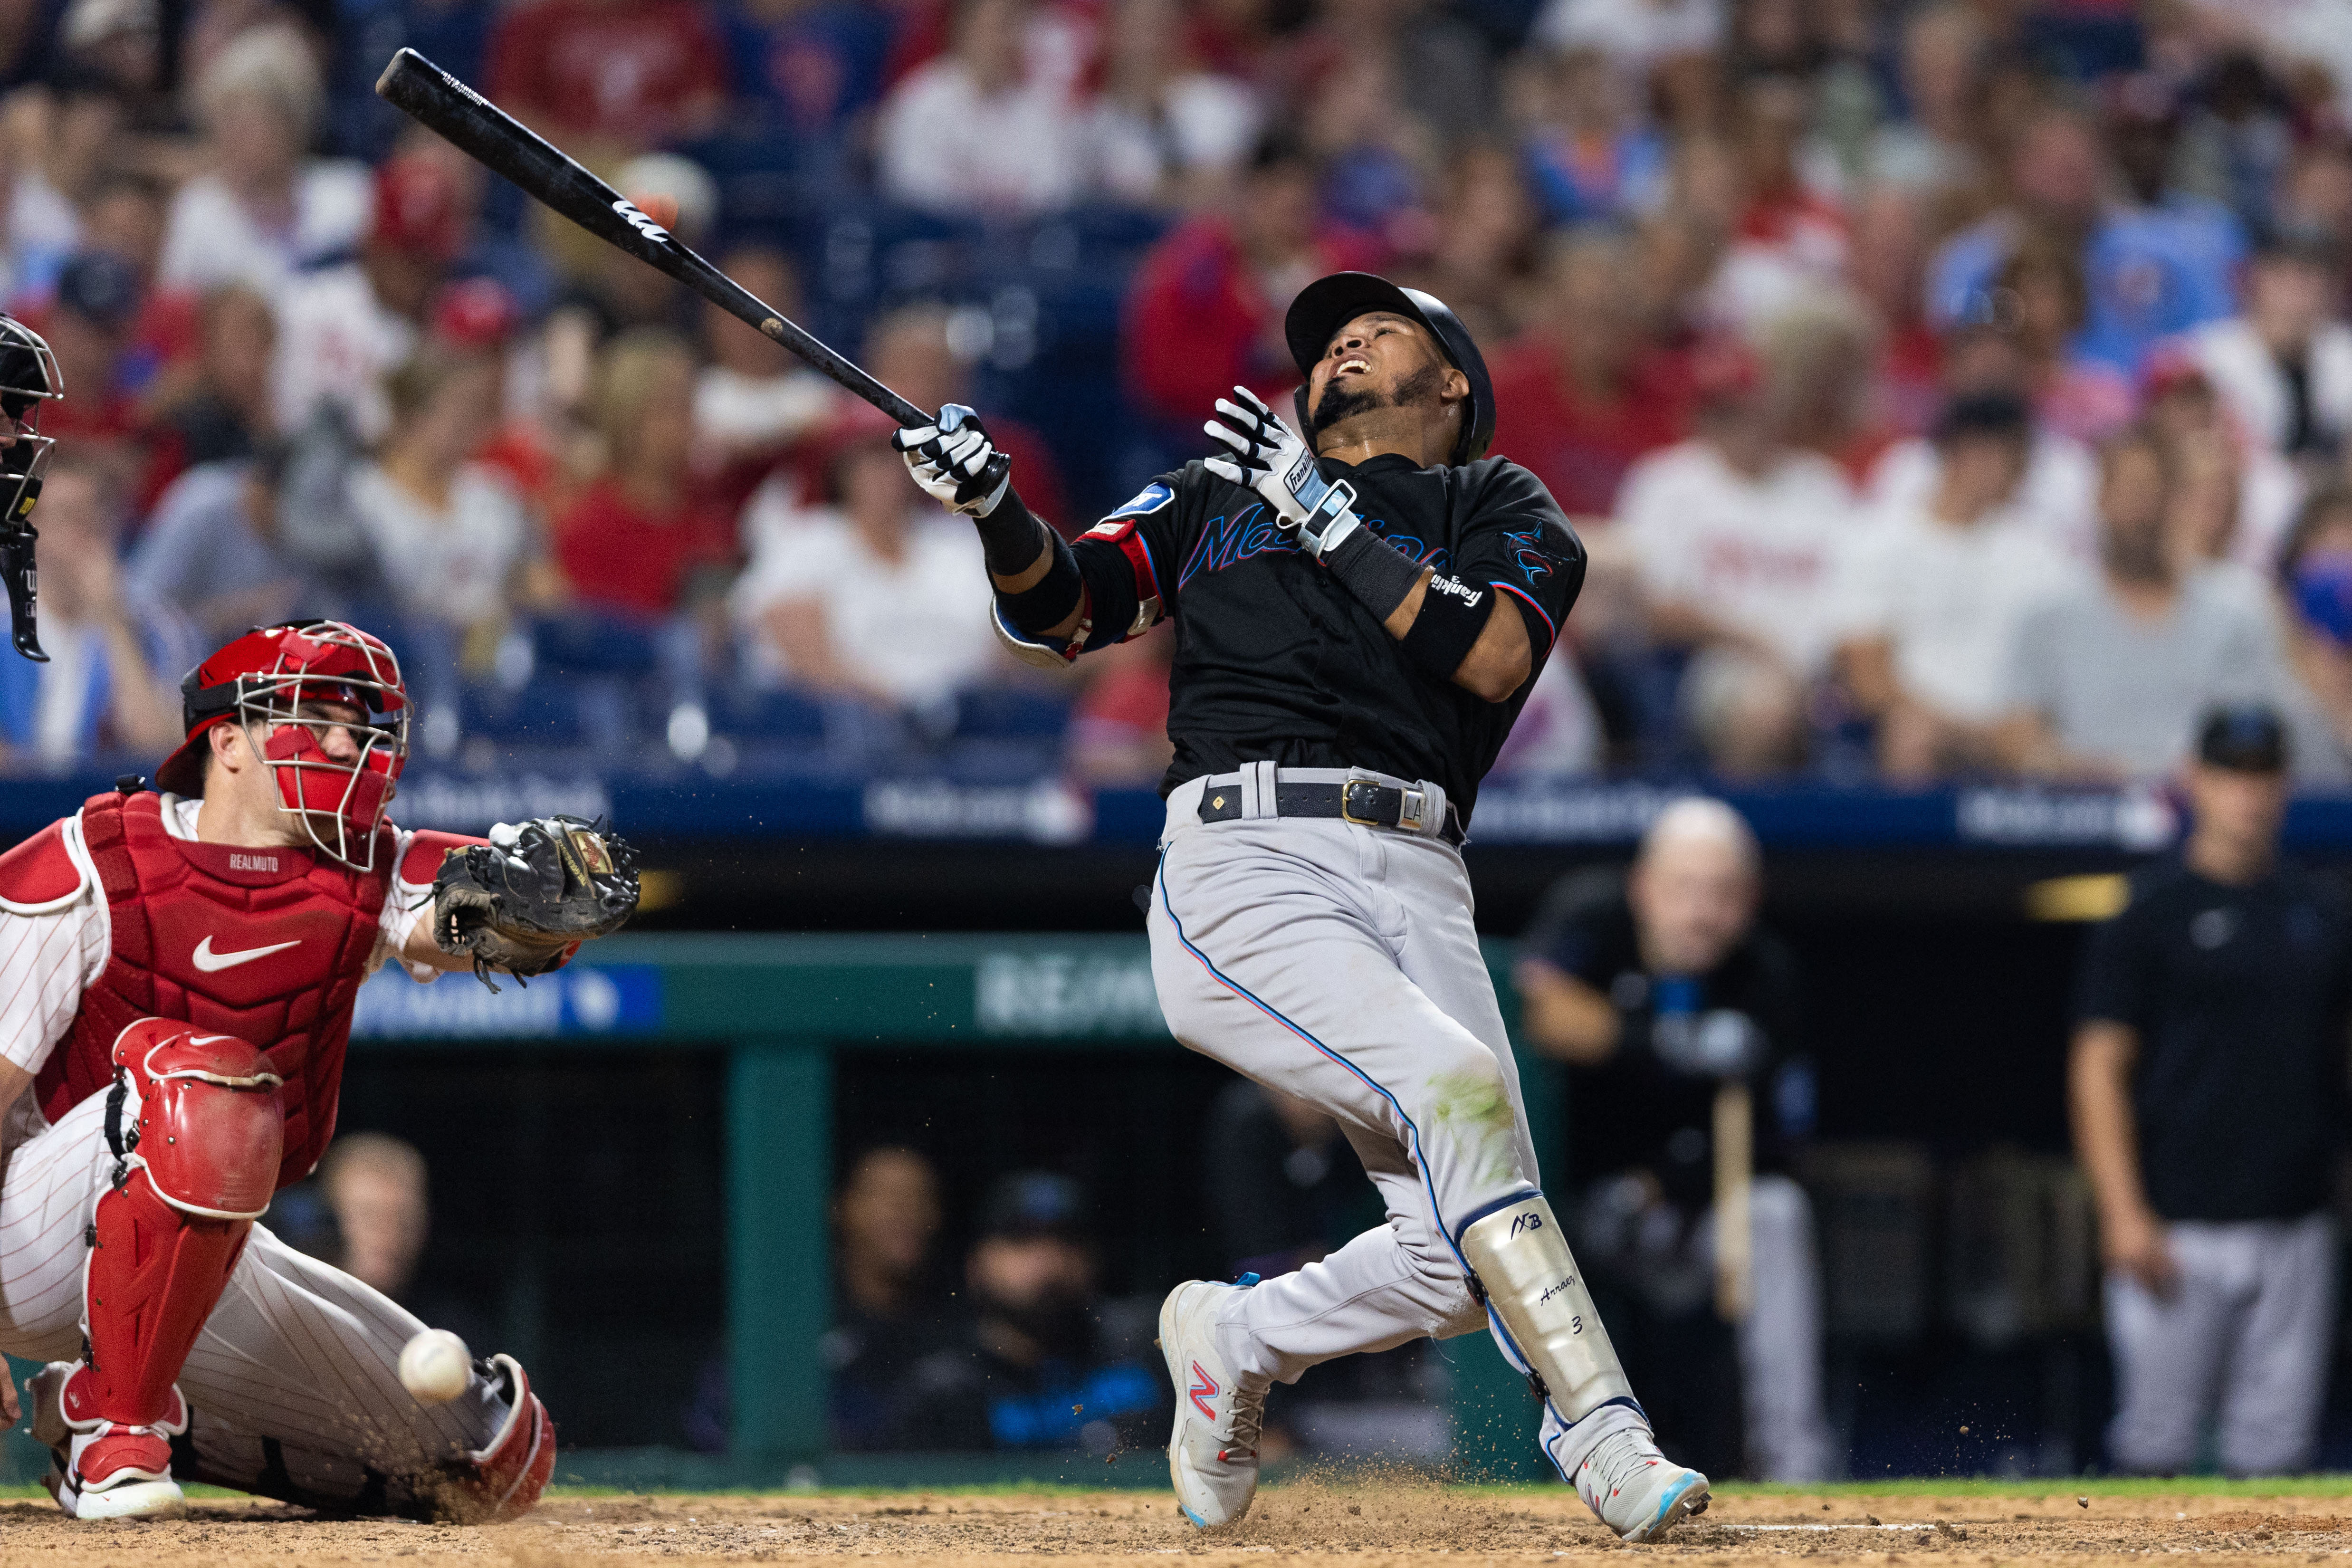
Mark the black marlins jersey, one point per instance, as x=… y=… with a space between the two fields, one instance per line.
x=1276 y=661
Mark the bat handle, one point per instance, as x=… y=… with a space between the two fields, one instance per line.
x=1734 y=1254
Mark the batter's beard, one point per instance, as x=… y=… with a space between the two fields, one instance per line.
x=1340 y=402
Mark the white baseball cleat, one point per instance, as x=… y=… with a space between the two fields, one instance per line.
x=1637 y=1491
x=102 y=1469
x=1213 y=1452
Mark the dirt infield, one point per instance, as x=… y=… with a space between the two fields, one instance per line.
x=1360 y=1524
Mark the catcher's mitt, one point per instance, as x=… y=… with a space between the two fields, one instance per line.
x=524 y=901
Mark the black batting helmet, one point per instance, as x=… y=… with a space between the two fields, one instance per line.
x=1325 y=305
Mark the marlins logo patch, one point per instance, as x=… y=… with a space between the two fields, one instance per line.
x=1151 y=499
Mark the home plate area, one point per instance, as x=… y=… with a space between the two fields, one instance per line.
x=1355 y=1521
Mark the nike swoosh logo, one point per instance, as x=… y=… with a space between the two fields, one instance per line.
x=213 y=962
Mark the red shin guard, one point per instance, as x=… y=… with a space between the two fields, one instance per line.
x=155 y=1275
x=194 y=1122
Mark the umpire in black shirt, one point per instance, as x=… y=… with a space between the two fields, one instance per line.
x=2208 y=1091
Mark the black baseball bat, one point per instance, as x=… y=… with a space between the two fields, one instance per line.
x=502 y=143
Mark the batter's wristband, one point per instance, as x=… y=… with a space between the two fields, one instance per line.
x=1453 y=614
x=1373 y=570
x=1038 y=609
x=1011 y=536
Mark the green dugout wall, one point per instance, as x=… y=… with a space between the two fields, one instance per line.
x=784 y=1008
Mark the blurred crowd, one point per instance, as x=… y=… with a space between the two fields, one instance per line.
x=1943 y=389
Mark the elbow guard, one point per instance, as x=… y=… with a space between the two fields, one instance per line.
x=1023 y=620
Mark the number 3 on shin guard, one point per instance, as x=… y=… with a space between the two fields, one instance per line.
x=1532 y=1283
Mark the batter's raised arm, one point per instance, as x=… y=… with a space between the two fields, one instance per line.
x=1042 y=614
x=1446 y=625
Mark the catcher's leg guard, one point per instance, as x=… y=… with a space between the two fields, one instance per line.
x=196 y=1128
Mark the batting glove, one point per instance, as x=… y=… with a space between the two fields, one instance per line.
x=1266 y=456
x=955 y=462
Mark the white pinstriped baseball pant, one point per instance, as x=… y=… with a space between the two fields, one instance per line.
x=292 y=1386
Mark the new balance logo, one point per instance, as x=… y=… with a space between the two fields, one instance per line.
x=639 y=221
x=1205 y=1389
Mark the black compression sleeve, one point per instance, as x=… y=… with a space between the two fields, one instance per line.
x=1452 y=615
x=1010 y=535
x=1047 y=604
x=1373 y=570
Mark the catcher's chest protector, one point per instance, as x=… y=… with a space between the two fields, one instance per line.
x=269 y=945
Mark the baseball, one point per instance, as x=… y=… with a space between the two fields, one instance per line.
x=436 y=1366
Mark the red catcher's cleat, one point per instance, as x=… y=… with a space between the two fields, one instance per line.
x=503 y=1479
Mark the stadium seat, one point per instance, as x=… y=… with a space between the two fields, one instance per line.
x=1009 y=713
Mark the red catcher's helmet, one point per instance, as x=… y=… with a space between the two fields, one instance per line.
x=261 y=681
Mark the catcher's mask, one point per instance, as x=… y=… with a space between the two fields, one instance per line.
x=1328 y=304
x=29 y=380
x=271 y=683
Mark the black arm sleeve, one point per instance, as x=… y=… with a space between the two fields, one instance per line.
x=1373 y=570
x=1047 y=603
x=1009 y=535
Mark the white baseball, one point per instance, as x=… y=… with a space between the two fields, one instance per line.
x=436 y=1366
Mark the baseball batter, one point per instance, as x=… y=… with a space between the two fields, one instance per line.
x=1358 y=623
x=177 y=973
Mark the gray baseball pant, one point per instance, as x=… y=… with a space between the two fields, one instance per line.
x=1338 y=963
x=2244 y=1341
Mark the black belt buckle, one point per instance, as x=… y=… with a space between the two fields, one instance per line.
x=1359 y=799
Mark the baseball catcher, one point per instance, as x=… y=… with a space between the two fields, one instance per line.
x=1361 y=605
x=182 y=969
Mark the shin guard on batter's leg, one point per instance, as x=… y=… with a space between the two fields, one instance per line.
x=1518 y=1255
x=196 y=1128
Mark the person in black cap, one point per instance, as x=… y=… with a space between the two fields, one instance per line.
x=1360 y=607
x=2207 y=1082
x=1037 y=1367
